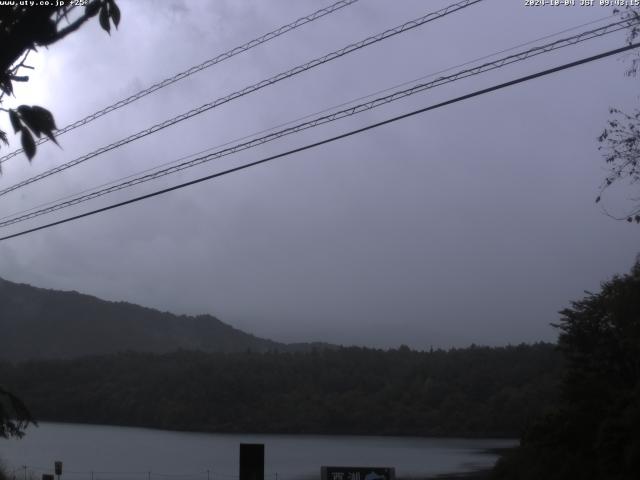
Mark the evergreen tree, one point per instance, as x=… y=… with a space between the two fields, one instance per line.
x=595 y=432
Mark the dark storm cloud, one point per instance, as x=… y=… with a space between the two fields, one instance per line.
x=473 y=223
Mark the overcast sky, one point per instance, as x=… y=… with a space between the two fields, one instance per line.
x=471 y=223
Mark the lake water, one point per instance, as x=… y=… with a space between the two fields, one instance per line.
x=96 y=452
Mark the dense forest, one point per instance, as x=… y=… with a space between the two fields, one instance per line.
x=593 y=432
x=476 y=391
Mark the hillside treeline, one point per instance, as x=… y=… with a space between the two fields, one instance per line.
x=593 y=432
x=476 y=391
x=42 y=324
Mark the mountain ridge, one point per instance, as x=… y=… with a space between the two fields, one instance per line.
x=41 y=323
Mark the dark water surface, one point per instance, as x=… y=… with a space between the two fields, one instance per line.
x=97 y=452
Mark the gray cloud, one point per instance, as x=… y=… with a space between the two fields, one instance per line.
x=473 y=223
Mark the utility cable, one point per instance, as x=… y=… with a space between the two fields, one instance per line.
x=17 y=218
x=250 y=89
x=290 y=122
x=190 y=71
x=331 y=139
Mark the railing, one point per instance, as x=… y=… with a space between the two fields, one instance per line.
x=28 y=472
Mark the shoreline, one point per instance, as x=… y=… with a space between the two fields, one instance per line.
x=452 y=436
x=474 y=475
x=482 y=474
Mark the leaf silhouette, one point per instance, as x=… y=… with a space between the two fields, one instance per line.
x=28 y=144
x=39 y=120
x=5 y=85
x=45 y=120
x=92 y=9
x=114 y=12
x=104 y=19
x=44 y=33
x=30 y=119
x=15 y=121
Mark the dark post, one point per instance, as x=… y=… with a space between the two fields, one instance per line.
x=251 y=461
x=57 y=465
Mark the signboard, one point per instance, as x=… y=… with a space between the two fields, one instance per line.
x=58 y=467
x=357 y=473
x=47 y=476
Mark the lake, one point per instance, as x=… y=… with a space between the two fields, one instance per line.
x=97 y=452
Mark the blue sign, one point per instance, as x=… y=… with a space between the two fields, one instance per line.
x=357 y=473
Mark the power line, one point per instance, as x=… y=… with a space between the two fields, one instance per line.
x=499 y=63
x=190 y=71
x=331 y=139
x=250 y=89
x=325 y=110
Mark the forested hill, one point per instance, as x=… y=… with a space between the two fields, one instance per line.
x=39 y=323
x=477 y=391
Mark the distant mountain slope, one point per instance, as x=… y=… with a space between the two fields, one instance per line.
x=39 y=323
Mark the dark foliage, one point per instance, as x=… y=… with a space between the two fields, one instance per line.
x=595 y=431
x=24 y=28
x=477 y=391
x=620 y=143
x=14 y=415
x=620 y=140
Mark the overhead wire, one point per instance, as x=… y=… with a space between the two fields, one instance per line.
x=350 y=133
x=407 y=26
x=298 y=119
x=192 y=70
x=499 y=63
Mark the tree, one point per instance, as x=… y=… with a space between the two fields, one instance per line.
x=600 y=337
x=23 y=29
x=14 y=415
x=620 y=140
x=595 y=433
